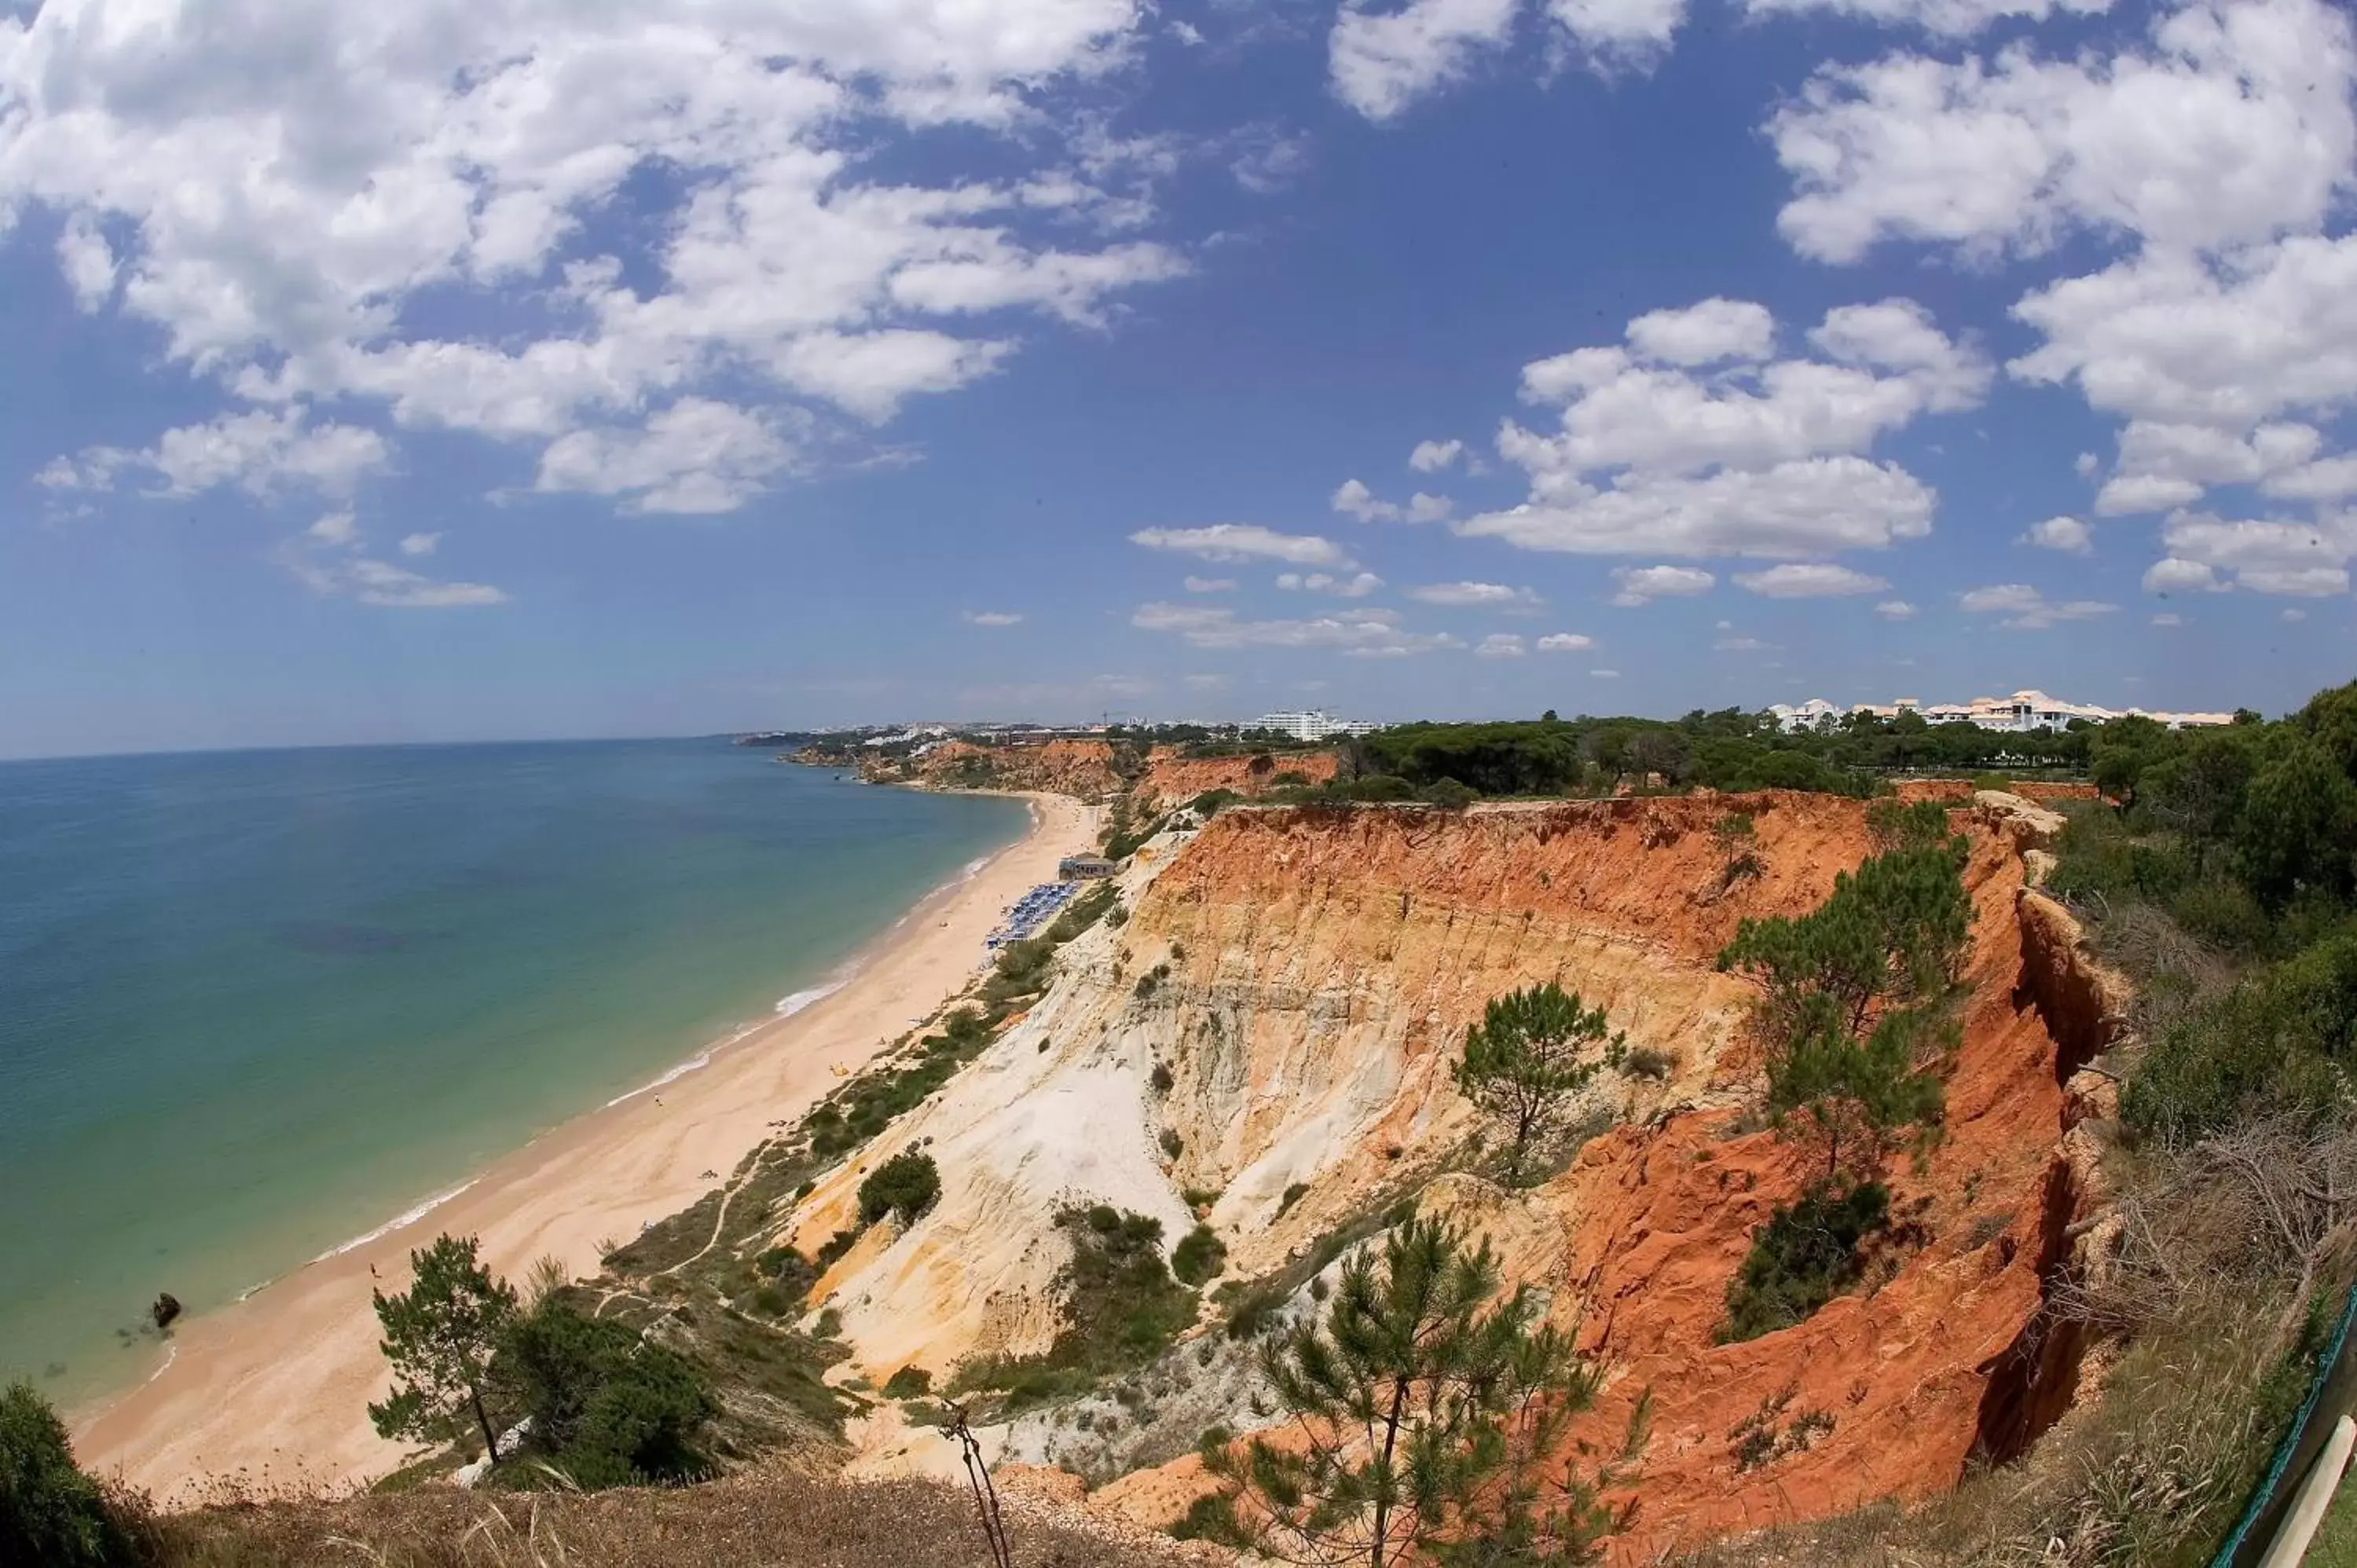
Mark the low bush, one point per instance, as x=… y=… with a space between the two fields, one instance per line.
x=1122 y=1307
x=1449 y=794
x=1199 y=1256
x=2278 y=1043
x=907 y=1183
x=908 y=1383
x=607 y=1408
x=1809 y=1251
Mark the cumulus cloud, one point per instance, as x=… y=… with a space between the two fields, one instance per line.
x=1244 y=541
x=1500 y=645
x=1382 y=62
x=1643 y=584
x=272 y=184
x=417 y=544
x=2232 y=127
x=2067 y=534
x=262 y=452
x=1353 y=498
x=2027 y=609
x=1809 y=581
x=1195 y=585
x=1432 y=457
x=1476 y=596
x=1688 y=438
x=1895 y=609
x=1356 y=587
x=1565 y=643
x=992 y=617
x=1365 y=634
x=696 y=457
x=1704 y=334
x=1615 y=33
x=2266 y=555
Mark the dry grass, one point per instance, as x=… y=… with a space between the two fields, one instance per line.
x=770 y=1518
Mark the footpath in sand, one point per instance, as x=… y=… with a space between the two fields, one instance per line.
x=274 y=1391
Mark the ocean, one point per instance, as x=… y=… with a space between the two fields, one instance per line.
x=254 y=1005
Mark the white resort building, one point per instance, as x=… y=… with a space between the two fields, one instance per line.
x=1313 y=723
x=2018 y=714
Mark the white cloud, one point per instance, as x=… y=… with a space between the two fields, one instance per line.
x=1742 y=645
x=2168 y=617
x=1809 y=581
x=2325 y=479
x=2027 y=609
x=1432 y=456
x=1606 y=674
x=88 y=262
x=2294 y=616
x=1751 y=459
x=1367 y=633
x=2067 y=534
x=1380 y=63
x=2233 y=126
x=1706 y=333
x=1615 y=33
x=992 y=617
x=695 y=457
x=2166 y=466
x=420 y=545
x=2171 y=575
x=1207 y=682
x=1642 y=585
x=1357 y=586
x=1809 y=507
x=1476 y=596
x=1195 y=585
x=326 y=559
x=1952 y=18
x=1244 y=541
x=259 y=452
x=1353 y=498
x=1500 y=645
x=2269 y=556
x=271 y=183
x=1565 y=643
x=1895 y=609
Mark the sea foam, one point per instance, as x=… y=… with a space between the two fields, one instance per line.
x=406 y=1217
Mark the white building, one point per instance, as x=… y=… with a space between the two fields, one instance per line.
x=1313 y=723
x=2016 y=715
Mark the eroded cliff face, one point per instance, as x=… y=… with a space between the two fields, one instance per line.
x=1322 y=966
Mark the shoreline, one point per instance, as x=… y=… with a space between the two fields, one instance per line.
x=270 y=1392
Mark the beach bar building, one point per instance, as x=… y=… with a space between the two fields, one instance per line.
x=1083 y=867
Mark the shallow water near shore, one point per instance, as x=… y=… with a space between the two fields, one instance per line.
x=256 y=1005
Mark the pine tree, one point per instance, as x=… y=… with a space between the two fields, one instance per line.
x=1525 y=1058
x=440 y=1336
x=1426 y=1421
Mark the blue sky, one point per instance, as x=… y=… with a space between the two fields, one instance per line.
x=520 y=368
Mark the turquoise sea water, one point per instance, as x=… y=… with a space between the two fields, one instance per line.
x=253 y=1004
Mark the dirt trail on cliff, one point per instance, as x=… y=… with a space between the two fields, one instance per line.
x=1322 y=968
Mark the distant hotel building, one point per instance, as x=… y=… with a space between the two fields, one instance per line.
x=2017 y=714
x=1314 y=724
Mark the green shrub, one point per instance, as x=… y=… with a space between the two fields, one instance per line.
x=50 y=1513
x=908 y=1383
x=1807 y=1254
x=1122 y=1308
x=607 y=1408
x=1161 y=1079
x=1199 y=1257
x=1449 y=794
x=1212 y=803
x=1294 y=1194
x=1645 y=1061
x=1172 y=1144
x=2282 y=1040
x=907 y=1184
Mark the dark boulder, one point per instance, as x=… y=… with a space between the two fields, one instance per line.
x=166 y=1308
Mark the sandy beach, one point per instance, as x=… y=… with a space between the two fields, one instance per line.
x=272 y=1390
